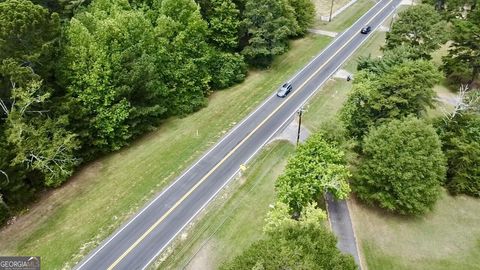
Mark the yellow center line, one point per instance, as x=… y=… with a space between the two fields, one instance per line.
x=146 y=233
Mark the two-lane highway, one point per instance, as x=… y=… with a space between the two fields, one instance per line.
x=137 y=243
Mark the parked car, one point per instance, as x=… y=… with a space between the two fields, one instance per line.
x=366 y=29
x=284 y=90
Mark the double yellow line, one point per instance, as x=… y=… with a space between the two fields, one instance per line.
x=151 y=228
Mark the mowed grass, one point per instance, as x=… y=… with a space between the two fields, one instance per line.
x=70 y=221
x=447 y=238
x=346 y=18
x=236 y=218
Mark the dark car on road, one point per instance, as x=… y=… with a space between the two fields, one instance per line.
x=366 y=29
x=284 y=90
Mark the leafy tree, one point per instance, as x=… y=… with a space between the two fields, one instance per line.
x=223 y=19
x=303 y=244
x=402 y=167
x=226 y=69
x=268 y=25
x=462 y=64
x=390 y=58
x=64 y=7
x=461 y=145
x=304 y=14
x=182 y=34
x=29 y=35
x=40 y=143
x=317 y=167
x=111 y=75
x=419 y=26
x=403 y=89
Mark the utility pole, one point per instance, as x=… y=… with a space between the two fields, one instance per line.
x=331 y=10
x=300 y=112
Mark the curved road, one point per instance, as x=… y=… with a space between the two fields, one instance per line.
x=137 y=243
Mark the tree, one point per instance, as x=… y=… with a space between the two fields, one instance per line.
x=401 y=90
x=182 y=34
x=29 y=35
x=402 y=167
x=226 y=69
x=38 y=139
x=462 y=64
x=268 y=25
x=317 y=167
x=390 y=58
x=303 y=244
x=223 y=19
x=304 y=15
x=419 y=26
x=111 y=74
x=461 y=145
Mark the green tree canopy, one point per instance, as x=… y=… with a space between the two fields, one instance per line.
x=402 y=167
x=462 y=64
x=390 y=58
x=403 y=89
x=29 y=35
x=317 y=167
x=223 y=19
x=269 y=24
x=419 y=26
x=461 y=144
x=304 y=14
x=38 y=141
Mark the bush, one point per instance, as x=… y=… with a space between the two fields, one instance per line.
x=402 y=167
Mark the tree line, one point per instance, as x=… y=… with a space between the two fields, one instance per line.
x=81 y=78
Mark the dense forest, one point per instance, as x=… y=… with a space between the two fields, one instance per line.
x=79 y=78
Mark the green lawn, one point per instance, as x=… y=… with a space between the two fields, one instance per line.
x=235 y=219
x=346 y=18
x=447 y=238
x=70 y=221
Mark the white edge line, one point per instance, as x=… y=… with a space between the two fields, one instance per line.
x=260 y=147
x=224 y=138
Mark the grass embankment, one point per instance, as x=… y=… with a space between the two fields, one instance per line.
x=447 y=238
x=346 y=18
x=236 y=218
x=70 y=221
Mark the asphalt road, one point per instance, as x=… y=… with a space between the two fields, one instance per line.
x=137 y=243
